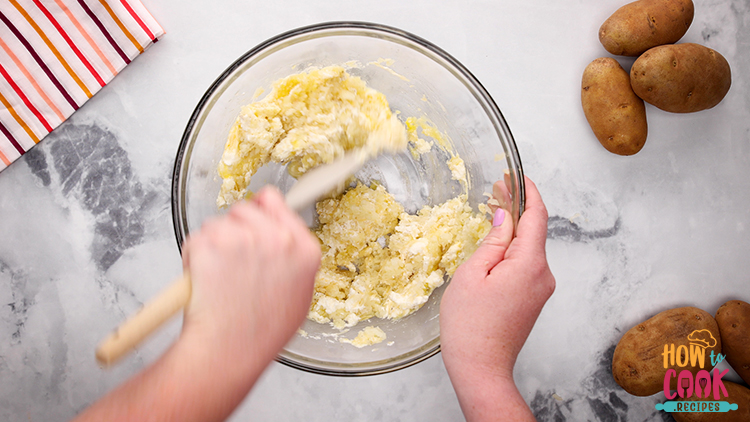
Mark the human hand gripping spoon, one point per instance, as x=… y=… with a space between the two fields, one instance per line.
x=309 y=188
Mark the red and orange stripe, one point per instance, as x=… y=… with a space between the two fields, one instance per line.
x=86 y=36
x=18 y=119
x=4 y=159
x=138 y=20
x=25 y=99
x=42 y=65
x=52 y=48
x=32 y=80
x=121 y=26
x=70 y=42
x=70 y=56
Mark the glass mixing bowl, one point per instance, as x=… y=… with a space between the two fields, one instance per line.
x=418 y=79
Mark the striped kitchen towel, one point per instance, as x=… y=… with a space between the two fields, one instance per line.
x=55 y=55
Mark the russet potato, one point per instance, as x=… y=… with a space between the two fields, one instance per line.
x=616 y=115
x=733 y=318
x=681 y=78
x=638 y=361
x=640 y=25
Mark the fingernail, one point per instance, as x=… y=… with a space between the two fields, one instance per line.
x=499 y=217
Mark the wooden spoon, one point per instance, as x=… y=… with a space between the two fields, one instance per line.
x=311 y=186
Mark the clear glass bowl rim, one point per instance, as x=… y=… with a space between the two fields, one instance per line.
x=179 y=218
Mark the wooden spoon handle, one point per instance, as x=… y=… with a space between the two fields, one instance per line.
x=151 y=316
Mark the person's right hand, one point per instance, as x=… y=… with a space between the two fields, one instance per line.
x=252 y=272
x=490 y=307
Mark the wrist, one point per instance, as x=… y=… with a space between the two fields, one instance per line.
x=193 y=381
x=486 y=393
x=488 y=363
x=230 y=355
x=206 y=383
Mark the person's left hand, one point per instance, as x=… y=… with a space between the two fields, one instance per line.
x=490 y=307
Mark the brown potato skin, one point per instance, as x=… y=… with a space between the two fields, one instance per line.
x=616 y=115
x=735 y=394
x=638 y=26
x=681 y=78
x=733 y=319
x=637 y=364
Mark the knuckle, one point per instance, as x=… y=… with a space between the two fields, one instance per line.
x=242 y=241
x=491 y=241
x=240 y=209
x=210 y=224
x=286 y=240
x=311 y=247
x=210 y=230
x=494 y=241
x=544 y=213
x=550 y=285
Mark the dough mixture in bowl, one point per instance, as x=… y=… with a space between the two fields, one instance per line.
x=306 y=120
x=378 y=260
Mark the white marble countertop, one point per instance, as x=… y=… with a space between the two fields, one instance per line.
x=87 y=231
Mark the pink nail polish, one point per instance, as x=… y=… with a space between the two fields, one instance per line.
x=499 y=217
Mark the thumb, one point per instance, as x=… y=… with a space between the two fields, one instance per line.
x=492 y=250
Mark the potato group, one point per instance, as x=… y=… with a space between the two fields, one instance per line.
x=616 y=115
x=733 y=319
x=638 y=364
x=681 y=78
x=678 y=78
x=639 y=357
x=638 y=26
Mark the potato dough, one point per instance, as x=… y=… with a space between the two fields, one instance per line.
x=638 y=364
x=307 y=119
x=381 y=261
x=638 y=26
x=616 y=115
x=733 y=318
x=681 y=78
x=377 y=259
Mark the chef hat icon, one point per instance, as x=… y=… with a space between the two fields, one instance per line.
x=702 y=338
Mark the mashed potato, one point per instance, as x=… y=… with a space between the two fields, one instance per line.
x=380 y=261
x=306 y=120
x=377 y=259
x=366 y=337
